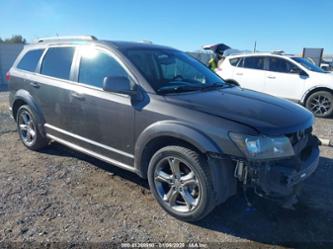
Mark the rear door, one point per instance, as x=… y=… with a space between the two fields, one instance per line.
x=284 y=80
x=52 y=86
x=251 y=73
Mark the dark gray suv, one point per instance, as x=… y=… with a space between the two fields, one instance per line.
x=160 y=113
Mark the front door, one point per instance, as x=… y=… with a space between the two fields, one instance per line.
x=104 y=122
x=284 y=80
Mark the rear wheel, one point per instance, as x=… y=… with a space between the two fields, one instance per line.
x=320 y=104
x=28 y=129
x=180 y=182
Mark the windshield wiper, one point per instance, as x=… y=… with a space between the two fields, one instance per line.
x=216 y=85
x=177 y=89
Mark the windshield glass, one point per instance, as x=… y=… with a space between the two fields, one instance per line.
x=169 y=70
x=308 y=65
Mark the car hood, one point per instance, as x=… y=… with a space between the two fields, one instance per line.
x=267 y=114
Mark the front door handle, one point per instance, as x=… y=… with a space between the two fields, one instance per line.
x=78 y=95
x=34 y=84
x=240 y=74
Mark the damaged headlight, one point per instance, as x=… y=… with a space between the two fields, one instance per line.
x=263 y=147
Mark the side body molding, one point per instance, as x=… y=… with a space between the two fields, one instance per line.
x=23 y=95
x=174 y=129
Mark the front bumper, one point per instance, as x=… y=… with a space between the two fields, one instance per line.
x=280 y=179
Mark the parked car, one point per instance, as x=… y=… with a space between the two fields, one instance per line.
x=326 y=66
x=163 y=115
x=290 y=77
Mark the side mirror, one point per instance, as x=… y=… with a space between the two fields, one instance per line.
x=299 y=72
x=118 y=85
x=303 y=73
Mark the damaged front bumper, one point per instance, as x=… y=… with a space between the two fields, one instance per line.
x=280 y=179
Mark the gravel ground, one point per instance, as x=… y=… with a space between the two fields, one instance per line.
x=59 y=195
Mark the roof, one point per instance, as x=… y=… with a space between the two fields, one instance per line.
x=260 y=54
x=124 y=45
x=121 y=45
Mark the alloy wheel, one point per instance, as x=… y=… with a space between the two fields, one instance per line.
x=177 y=185
x=320 y=105
x=27 y=128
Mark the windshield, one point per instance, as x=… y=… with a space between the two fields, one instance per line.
x=169 y=70
x=308 y=65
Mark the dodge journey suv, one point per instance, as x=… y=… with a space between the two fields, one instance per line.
x=163 y=115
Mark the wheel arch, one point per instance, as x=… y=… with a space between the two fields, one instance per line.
x=308 y=93
x=165 y=133
x=23 y=97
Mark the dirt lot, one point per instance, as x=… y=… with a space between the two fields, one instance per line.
x=60 y=195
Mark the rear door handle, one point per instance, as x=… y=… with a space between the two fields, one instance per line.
x=240 y=74
x=271 y=77
x=34 y=84
x=78 y=95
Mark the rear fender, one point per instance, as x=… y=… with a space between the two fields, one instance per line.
x=25 y=96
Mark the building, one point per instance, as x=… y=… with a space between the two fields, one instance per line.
x=8 y=54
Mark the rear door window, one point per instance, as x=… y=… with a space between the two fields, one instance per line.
x=30 y=60
x=57 y=62
x=254 y=62
x=95 y=65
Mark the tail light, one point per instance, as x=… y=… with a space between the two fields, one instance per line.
x=7 y=76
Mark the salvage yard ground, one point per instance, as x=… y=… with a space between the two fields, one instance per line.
x=65 y=196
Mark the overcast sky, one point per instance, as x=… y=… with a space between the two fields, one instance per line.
x=184 y=24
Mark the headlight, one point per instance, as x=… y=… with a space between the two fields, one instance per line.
x=263 y=147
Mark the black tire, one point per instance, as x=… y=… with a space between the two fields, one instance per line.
x=320 y=104
x=192 y=161
x=36 y=142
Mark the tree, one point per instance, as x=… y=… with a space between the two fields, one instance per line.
x=14 y=39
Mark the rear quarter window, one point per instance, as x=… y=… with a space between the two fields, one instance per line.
x=30 y=60
x=234 y=61
x=57 y=62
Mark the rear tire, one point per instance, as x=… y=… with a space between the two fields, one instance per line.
x=27 y=127
x=320 y=104
x=180 y=181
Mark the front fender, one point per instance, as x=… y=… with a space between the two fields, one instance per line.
x=175 y=129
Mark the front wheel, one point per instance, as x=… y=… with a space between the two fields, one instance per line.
x=180 y=181
x=320 y=104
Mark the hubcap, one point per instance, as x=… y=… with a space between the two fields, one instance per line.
x=320 y=105
x=177 y=185
x=27 y=128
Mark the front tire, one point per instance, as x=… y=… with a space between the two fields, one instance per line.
x=180 y=181
x=320 y=104
x=28 y=130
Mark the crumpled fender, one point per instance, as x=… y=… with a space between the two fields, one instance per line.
x=176 y=129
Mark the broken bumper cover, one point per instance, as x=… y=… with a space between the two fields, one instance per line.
x=282 y=178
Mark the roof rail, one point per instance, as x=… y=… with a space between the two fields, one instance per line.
x=59 y=38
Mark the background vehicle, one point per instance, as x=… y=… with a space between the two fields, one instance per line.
x=163 y=115
x=290 y=77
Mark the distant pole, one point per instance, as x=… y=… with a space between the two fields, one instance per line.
x=255 y=47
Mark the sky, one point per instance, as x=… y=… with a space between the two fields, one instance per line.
x=287 y=25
